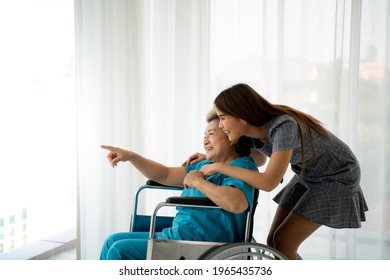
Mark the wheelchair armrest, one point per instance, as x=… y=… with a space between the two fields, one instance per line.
x=152 y=183
x=201 y=201
x=157 y=184
x=184 y=200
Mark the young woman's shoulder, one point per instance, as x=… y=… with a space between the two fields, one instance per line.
x=282 y=121
x=282 y=118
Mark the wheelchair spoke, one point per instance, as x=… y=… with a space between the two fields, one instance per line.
x=243 y=251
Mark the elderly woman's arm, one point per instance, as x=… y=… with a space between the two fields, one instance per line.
x=228 y=198
x=172 y=176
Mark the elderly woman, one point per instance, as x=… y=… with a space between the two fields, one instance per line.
x=234 y=196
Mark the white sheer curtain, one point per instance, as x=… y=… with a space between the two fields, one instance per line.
x=109 y=68
x=330 y=59
x=148 y=72
x=142 y=70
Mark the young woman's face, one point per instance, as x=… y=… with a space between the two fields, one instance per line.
x=216 y=144
x=232 y=126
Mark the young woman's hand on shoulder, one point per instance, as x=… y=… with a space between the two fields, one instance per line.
x=194 y=158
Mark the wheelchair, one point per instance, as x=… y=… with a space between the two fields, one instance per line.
x=159 y=249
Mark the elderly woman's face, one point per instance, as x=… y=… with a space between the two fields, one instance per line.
x=216 y=144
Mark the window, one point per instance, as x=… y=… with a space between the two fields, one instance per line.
x=37 y=121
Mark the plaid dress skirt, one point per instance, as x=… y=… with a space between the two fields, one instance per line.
x=323 y=207
x=328 y=191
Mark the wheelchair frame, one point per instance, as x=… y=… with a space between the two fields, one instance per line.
x=183 y=249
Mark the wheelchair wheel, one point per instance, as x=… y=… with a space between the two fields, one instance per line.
x=242 y=251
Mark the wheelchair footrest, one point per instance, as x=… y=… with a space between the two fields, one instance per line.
x=159 y=249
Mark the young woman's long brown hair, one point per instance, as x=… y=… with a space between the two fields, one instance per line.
x=244 y=102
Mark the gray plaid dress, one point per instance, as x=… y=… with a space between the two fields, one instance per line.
x=329 y=191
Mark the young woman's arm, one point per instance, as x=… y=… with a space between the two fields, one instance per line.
x=266 y=181
x=172 y=176
x=259 y=158
x=228 y=198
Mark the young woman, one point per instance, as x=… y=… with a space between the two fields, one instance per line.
x=219 y=225
x=325 y=189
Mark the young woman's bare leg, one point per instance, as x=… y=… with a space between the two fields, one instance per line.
x=291 y=232
x=280 y=215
